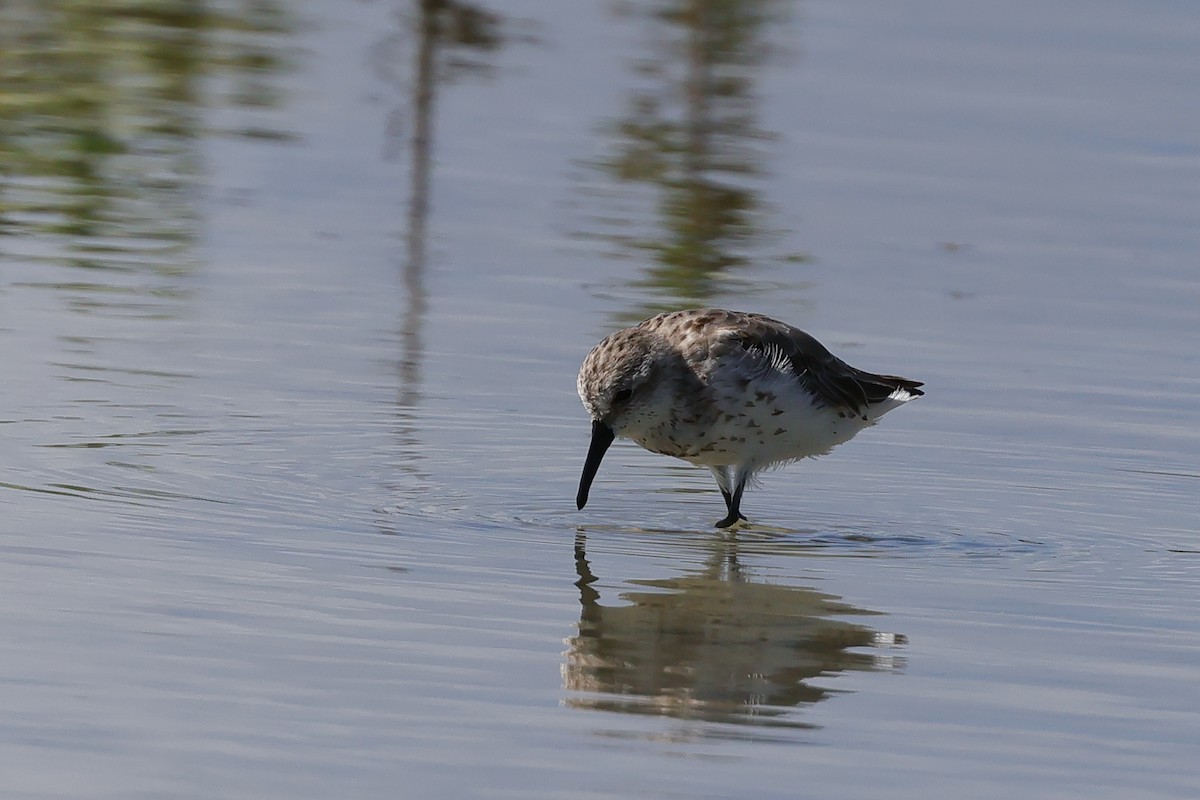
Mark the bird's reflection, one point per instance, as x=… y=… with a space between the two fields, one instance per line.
x=714 y=645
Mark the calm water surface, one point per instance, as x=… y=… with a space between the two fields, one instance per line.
x=292 y=297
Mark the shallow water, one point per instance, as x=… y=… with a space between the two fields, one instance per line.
x=291 y=440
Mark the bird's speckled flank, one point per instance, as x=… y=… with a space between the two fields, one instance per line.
x=732 y=391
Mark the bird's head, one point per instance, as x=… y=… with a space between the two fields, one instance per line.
x=623 y=386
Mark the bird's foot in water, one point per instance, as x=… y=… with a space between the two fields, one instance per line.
x=732 y=520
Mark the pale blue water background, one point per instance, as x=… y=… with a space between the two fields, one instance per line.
x=288 y=515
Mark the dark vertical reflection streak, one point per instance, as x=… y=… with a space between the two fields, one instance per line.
x=447 y=39
x=451 y=39
x=423 y=97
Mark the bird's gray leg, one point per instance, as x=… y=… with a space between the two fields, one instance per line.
x=733 y=500
x=721 y=474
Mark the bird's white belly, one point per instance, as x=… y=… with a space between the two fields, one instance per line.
x=765 y=435
x=763 y=425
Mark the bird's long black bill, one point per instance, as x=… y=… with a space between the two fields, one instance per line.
x=602 y=437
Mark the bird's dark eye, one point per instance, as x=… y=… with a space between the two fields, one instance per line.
x=622 y=395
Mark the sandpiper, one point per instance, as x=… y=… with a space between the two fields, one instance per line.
x=732 y=391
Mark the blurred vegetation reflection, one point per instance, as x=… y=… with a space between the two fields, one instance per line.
x=102 y=110
x=691 y=134
x=714 y=645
